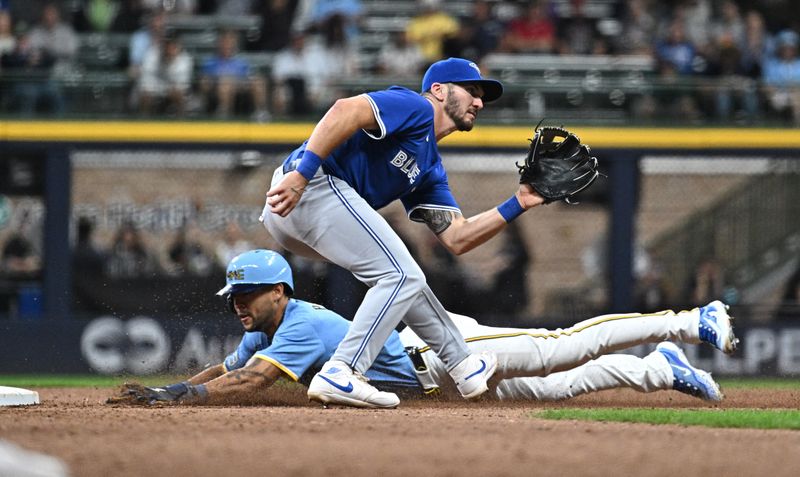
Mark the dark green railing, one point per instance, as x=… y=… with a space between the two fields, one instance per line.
x=750 y=232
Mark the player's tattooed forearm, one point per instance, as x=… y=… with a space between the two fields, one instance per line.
x=243 y=374
x=437 y=220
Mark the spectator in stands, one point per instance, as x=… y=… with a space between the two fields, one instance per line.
x=729 y=26
x=57 y=40
x=20 y=259
x=305 y=75
x=94 y=15
x=55 y=37
x=145 y=38
x=512 y=281
x=479 y=34
x=129 y=256
x=707 y=282
x=400 y=58
x=733 y=88
x=638 y=29
x=32 y=89
x=577 y=34
x=187 y=256
x=129 y=16
x=650 y=292
x=531 y=32
x=226 y=75
x=277 y=17
x=292 y=70
x=233 y=243
x=339 y=61
x=676 y=56
x=87 y=257
x=781 y=76
x=429 y=28
x=166 y=77
x=350 y=12
x=675 y=52
x=8 y=41
x=756 y=44
x=88 y=268
x=695 y=18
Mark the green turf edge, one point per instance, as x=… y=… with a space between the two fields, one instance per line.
x=96 y=381
x=81 y=380
x=732 y=418
x=759 y=383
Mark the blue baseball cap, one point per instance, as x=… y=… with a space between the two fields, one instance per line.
x=459 y=70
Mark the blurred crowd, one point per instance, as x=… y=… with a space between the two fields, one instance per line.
x=748 y=48
x=190 y=258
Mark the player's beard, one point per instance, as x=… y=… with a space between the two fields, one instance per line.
x=456 y=114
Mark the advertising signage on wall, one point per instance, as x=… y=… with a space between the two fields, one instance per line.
x=143 y=345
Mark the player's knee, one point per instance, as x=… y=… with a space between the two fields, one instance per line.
x=412 y=279
x=415 y=279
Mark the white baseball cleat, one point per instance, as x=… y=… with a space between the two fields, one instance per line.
x=716 y=328
x=686 y=378
x=336 y=383
x=472 y=374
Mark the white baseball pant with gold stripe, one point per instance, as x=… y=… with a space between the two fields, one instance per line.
x=562 y=363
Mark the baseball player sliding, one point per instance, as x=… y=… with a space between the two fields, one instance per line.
x=366 y=152
x=287 y=337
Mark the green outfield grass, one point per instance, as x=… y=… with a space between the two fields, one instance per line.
x=759 y=383
x=81 y=380
x=739 y=418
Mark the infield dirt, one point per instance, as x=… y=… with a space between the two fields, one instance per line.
x=437 y=438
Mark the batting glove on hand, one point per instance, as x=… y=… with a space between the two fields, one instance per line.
x=133 y=393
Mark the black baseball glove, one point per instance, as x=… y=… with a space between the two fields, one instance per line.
x=558 y=166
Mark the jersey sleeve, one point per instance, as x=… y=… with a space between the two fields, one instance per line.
x=432 y=194
x=294 y=349
x=251 y=342
x=398 y=110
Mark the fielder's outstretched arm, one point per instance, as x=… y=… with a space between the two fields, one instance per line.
x=460 y=235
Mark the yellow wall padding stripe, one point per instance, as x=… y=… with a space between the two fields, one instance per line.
x=481 y=136
x=152 y=132
x=634 y=138
x=559 y=334
x=278 y=365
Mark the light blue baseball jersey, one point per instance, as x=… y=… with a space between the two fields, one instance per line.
x=399 y=161
x=307 y=337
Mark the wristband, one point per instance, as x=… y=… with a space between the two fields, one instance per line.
x=199 y=391
x=309 y=164
x=510 y=209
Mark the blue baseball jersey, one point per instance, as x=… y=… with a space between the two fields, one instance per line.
x=218 y=67
x=400 y=160
x=307 y=338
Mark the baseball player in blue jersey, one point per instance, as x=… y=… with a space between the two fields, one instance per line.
x=366 y=152
x=292 y=338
